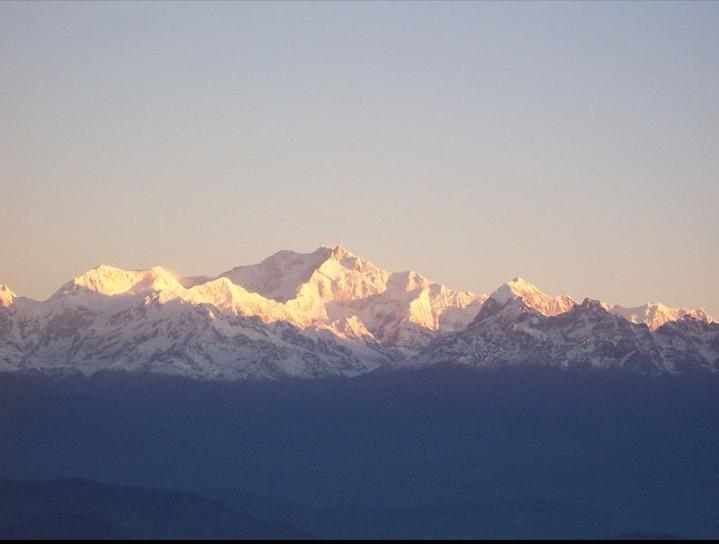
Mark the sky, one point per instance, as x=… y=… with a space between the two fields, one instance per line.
x=573 y=144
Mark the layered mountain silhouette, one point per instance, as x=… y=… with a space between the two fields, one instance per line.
x=438 y=452
x=76 y=509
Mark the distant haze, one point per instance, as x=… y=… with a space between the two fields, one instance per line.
x=574 y=144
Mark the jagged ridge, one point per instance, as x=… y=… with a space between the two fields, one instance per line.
x=328 y=312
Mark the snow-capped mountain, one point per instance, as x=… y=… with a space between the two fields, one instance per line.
x=319 y=314
x=655 y=314
x=330 y=313
x=330 y=273
x=520 y=327
x=6 y=296
x=173 y=332
x=353 y=297
x=533 y=297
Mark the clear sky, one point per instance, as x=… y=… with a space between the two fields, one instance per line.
x=574 y=144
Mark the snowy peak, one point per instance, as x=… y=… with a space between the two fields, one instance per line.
x=280 y=276
x=344 y=276
x=332 y=287
x=515 y=288
x=328 y=288
x=156 y=279
x=103 y=279
x=337 y=252
x=111 y=281
x=6 y=296
x=519 y=288
x=233 y=299
x=586 y=336
x=333 y=272
x=656 y=314
x=407 y=281
x=330 y=313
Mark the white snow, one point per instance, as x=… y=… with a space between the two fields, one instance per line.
x=655 y=314
x=323 y=313
x=521 y=288
x=6 y=296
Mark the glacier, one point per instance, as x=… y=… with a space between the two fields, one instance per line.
x=331 y=313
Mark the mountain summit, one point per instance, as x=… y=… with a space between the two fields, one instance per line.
x=330 y=313
x=282 y=275
x=111 y=281
x=6 y=296
x=533 y=297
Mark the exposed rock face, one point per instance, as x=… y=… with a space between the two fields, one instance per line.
x=656 y=314
x=515 y=333
x=294 y=315
x=331 y=313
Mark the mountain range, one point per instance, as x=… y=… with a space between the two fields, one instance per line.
x=74 y=509
x=332 y=313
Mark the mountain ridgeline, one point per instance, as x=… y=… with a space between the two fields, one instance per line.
x=331 y=313
x=139 y=404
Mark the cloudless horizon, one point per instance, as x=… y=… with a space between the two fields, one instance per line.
x=573 y=144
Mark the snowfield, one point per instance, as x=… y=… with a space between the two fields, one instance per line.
x=331 y=313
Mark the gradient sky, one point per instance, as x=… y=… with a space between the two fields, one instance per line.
x=574 y=144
